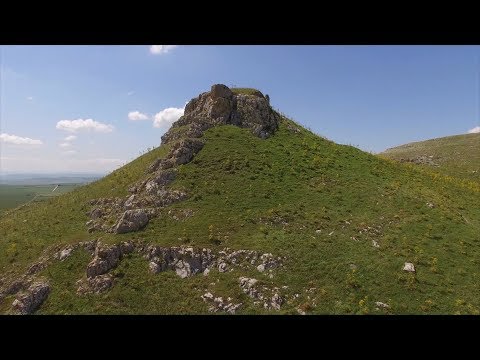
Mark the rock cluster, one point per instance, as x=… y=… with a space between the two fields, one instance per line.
x=421 y=160
x=28 y=301
x=272 y=301
x=105 y=258
x=219 y=304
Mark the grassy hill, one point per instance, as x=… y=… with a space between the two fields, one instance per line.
x=346 y=221
x=457 y=156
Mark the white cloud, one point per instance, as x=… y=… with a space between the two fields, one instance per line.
x=161 y=49
x=130 y=93
x=17 y=140
x=136 y=116
x=70 y=152
x=80 y=124
x=30 y=98
x=65 y=145
x=167 y=116
x=475 y=130
x=70 y=138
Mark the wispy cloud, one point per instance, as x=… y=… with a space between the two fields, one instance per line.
x=65 y=145
x=69 y=152
x=167 y=116
x=161 y=49
x=70 y=138
x=84 y=125
x=18 y=140
x=130 y=93
x=136 y=116
x=475 y=130
x=29 y=98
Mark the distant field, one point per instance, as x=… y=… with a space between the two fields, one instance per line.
x=457 y=156
x=12 y=196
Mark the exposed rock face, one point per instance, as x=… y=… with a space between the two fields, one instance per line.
x=182 y=152
x=131 y=220
x=220 y=106
x=105 y=258
x=32 y=298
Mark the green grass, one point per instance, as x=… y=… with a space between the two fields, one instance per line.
x=246 y=91
x=12 y=196
x=457 y=156
x=239 y=185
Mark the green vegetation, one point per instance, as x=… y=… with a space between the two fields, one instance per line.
x=455 y=156
x=297 y=195
x=12 y=196
x=246 y=91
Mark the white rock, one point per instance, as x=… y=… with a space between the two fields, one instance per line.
x=261 y=268
x=206 y=272
x=222 y=267
x=65 y=253
x=382 y=305
x=154 y=267
x=375 y=244
x=318 y=231
x=409 y=267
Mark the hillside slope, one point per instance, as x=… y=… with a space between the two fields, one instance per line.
x=457 y=156
x=278 y=219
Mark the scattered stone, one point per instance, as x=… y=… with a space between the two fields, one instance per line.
x=375 y=244
x=276 y=301
x=261 y=268
x=430 y=205
x=218 y=304
x=96 y=285
x=65 y=253
x=319 y=231
x=409 y=267
x=29 y=301
x=222 y=267
x=206 y=272
x=380 y=304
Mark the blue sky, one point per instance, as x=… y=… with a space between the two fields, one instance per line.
x=93 y=108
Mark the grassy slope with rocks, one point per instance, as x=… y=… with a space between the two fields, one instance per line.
x=456 y=156
x=294 y=194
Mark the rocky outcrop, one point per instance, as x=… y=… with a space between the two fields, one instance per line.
x=221 y=106
x=250 y=287
x=131 y=220
x=105 y=259
x=95 y=285
x=219 y=304
x=29 y=301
